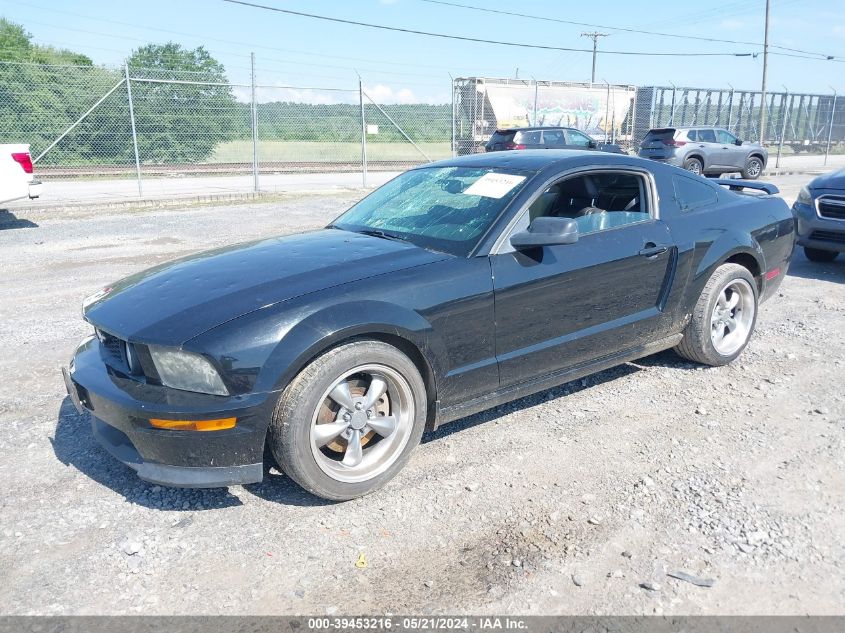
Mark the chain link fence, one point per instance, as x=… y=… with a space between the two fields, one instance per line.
x=162 y=126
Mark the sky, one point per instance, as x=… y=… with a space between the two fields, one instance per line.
x=401 y=67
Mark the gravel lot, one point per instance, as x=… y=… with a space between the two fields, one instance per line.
x=577 y=500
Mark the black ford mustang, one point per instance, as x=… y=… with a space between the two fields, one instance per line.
x=453 y=288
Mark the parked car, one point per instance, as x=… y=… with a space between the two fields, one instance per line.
x=455 y=287
x=546 y=138
x=705 y=151
x=820 y=209
x=16 y=173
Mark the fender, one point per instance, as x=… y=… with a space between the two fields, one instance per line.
x=727 y=246
x=333 y=324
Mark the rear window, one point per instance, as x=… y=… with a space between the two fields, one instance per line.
x=502 y=136
x=662 y=134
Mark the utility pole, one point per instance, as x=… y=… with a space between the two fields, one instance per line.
x=595 y=35
x=765 y=68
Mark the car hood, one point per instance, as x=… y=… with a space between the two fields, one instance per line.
x=174 y=302
x=833 y=180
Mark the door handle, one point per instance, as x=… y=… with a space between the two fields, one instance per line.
x=653 y=250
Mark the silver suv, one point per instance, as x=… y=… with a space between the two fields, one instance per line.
x=704 y=151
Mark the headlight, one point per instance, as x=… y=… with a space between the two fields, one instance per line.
x=804 y=197
x=188 y=371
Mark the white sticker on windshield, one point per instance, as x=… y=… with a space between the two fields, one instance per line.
x=493 y=185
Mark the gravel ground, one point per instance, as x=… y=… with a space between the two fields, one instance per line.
x=577 y=500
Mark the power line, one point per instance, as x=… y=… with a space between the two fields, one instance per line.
x=249 y=45
x=474 y=39
x=614 y=28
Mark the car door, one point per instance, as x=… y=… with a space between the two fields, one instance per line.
x=710 y=149
x=732 y=155
x=565 y=305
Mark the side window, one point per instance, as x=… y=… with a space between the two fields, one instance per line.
x=553 y=137
x=576 y=138
x=707 y=136
x=596 y=201
x=692 y=135
x=528 y=138
x=725 y=137
x=693 y=194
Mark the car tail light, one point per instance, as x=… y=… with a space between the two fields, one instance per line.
x=24 y=160
x=514 y=146
x=673 y=143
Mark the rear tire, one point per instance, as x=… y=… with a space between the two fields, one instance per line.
x=753 y=169
x=342 y=452
x=694 y=166
x=819 y=255
x=723 y=318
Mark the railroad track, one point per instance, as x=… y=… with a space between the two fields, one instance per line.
x=216 y=169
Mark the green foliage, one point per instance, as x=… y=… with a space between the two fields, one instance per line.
x=16 y=46
x=181 y=122
x=40 y=95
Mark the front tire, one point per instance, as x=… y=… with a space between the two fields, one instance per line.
x=694 y=166
x=348 y=422
x=819 y=255
x=753 y=169
x=723 y=318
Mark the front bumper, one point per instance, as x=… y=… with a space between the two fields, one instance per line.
x=816 y=232
x=121 y=408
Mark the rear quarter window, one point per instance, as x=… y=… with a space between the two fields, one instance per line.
x=692 y=193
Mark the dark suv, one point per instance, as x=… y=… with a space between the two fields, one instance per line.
x=704 y=151
x=546 y=138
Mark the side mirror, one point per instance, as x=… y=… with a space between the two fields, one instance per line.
x=546 y=232
x=592 y=145
x=738 y=141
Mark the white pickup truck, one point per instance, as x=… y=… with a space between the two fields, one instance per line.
x=16 y=178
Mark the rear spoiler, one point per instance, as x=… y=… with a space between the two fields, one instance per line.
x=735 y=184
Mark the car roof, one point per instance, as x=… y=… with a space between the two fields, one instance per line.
x=539 y=159
x=535 y=127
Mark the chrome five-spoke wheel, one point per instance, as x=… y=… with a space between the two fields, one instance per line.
x=732 y=317
x=723 y=318
x=362 y=423
x=348 y=421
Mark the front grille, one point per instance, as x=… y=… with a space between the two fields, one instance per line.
x=114 y=350
x=118 y=354
x=832 y=207
x=828 y=236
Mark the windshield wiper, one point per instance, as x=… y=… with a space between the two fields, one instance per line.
x=382 y=234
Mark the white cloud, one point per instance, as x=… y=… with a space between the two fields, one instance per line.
x=380 y=93
x=385 y=94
